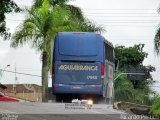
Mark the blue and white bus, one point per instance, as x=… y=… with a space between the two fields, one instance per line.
x=82 y=66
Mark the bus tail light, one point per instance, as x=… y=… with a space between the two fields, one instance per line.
x=57 y=85
x=102 y=69
x=102 y=73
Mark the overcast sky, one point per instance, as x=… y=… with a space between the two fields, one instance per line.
x=127 y=22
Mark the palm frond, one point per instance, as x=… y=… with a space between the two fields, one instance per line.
x=38 y=3
x=76 y=12
x=157 y=42
x=88 y=26
x=158 y=9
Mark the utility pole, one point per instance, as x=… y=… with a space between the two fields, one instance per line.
x=15 y=82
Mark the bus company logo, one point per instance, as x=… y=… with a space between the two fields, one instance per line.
x=78 y=67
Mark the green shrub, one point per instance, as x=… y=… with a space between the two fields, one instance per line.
x=156 y=106
x=124 y=91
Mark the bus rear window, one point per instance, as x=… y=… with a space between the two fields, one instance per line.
x=78 y=46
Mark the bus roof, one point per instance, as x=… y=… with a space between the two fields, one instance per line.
x=87 y=33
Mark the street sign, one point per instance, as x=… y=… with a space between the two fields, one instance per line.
x=140 y=74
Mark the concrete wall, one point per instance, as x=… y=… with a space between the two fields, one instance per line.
x=34 y=97
x=25 y=94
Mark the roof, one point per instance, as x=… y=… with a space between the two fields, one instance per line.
x=3 y=86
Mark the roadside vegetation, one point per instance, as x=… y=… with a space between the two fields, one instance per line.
x=156 y=106
x=7 y=6
x=124 y=91
x=135 y=91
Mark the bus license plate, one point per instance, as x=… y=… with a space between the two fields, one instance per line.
x=77 y=88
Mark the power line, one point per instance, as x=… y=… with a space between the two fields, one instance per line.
x=124 y=20
x=21 y=73
x=15 y=20
x=123 y=42
x=27 y=69
x=132 y=36
x=133 y=42
x=119 y=9
x=127 y=39
x=119 y=21
x=102 y=15
x=124 y=16
x=20 y=15
x=114 y=21
x=139 y=35
x=121 y=13
x=132 y=25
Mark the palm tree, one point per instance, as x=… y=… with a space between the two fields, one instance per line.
x=157 y=40
x=75 y=11
x=76 y=14
x=39 y=28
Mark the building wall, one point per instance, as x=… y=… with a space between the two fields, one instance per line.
x=30 y=93
x=1 y=90
x=34 y=97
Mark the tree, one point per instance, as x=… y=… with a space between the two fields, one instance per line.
x=132 y=90
x=39 y=29
x=6 y=6
x=76 y=12
x=131 y=56
x=157 y=40
x=76 y=15
x=155 y=110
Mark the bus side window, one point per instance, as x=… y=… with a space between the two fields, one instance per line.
x=109 y=53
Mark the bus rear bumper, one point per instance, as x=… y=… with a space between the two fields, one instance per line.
x=77 y=89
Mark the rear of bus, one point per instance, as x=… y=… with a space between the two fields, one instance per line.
x=78 y=63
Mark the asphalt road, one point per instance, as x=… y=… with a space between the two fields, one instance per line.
x=58 y=111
